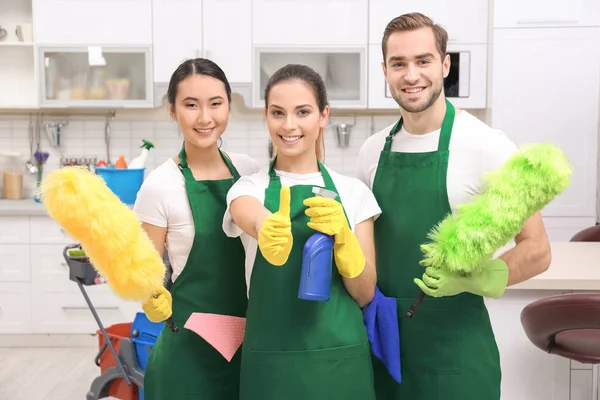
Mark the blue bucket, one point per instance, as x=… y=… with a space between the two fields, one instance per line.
x=125 y=183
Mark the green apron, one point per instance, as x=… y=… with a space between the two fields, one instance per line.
x=183 y=365
x=297 y=349
x=448 y=350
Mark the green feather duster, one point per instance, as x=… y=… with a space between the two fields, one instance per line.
x=523 y=185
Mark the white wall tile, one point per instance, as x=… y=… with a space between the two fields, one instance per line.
x=246 y=133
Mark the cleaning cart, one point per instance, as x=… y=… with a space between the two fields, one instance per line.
x=124 y=348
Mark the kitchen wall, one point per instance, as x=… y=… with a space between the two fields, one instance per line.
x=246 y=133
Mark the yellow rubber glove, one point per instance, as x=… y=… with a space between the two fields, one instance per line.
x=327 y=216
x=275 y=235
x=159 y=308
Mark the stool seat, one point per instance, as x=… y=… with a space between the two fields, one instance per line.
x=567 y=325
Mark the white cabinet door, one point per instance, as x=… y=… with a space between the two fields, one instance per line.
x=310 y=22
x=541 y=13
x=87 y=22
x=15 y=265
x=177 y=30
x=545 y=89
x=465 y=20
x=15 y=308
x=227 y=32
x=18 y=232
x=528 y=373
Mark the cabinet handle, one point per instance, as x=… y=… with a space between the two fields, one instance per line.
x=87 y=308
x=547 y=21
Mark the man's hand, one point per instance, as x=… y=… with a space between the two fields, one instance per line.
x=489 y=281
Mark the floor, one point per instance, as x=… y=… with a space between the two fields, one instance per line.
x=47 y=373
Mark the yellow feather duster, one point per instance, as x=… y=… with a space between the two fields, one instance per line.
x=109 y=232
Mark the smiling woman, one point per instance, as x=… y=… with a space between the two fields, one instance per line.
x=180 y=205
x=293 y=348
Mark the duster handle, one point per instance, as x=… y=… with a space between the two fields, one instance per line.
x=415 y=305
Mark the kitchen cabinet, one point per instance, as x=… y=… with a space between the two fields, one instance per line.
x=17 y=67
x=227 y=33
x=465 y=20
x=95 y=76
x=546 y=14
x=15 y=308
x=178 y=34
x=529 y=108
x=310 y=22
x=342 y=68
x=93 y=22
x=36 y=295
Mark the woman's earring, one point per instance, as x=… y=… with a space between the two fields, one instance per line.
x=219 y=142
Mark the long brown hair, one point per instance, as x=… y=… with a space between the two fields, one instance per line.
x=315 y=82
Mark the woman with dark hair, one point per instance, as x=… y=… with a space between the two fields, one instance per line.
x=181 y=205
x=293 y=348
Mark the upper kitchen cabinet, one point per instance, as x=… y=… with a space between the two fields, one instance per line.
x=177 y=31
x=95 y=76
x=343 y=70
x=227 y=33
x=546 y=14
x=17 y=66
x=531 y=109
x=93 y=22
x=310 y=22
x=465 y=20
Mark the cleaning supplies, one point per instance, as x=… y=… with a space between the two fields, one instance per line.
x=140 y=161
x=121 y=163
x=317 y=260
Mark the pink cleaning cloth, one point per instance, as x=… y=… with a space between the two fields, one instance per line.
x=223 y=332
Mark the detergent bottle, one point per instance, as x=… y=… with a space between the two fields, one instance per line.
x=140 y=161
x=317 y=261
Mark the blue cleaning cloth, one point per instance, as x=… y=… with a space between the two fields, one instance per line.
x=381 y=321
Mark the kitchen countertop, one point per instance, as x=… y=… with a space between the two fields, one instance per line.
x=21 y=208
x=574 y=266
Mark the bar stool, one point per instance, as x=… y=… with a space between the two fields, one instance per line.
x=567 y=325
x=591 y=234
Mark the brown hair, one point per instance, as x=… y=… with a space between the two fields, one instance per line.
x=308 y=76
x=411 y=22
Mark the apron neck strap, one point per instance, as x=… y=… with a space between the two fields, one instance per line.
x=187 y=172
x=445 y=133
x=273 y=190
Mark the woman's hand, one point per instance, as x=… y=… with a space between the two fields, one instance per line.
x=328 y=217
x=275 y=233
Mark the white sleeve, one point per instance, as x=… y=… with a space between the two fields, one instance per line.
x=245 y=186
x=368 y=206
x=498 y=152
x=362 y=164
x=150 y=204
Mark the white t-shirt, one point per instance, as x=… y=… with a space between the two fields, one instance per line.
x=163 y=201
x=359 y=202
x=475 y=149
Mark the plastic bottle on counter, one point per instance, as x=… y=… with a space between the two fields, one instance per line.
x=140 y=161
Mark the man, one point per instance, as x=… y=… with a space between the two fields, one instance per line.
x=433 y=159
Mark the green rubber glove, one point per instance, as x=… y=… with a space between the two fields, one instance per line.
x=489 y=281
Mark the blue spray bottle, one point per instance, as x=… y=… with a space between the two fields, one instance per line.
x=317 y=260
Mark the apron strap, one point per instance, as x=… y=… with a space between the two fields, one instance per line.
x=272 y=191
x=187 y=172
x=445 y=133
